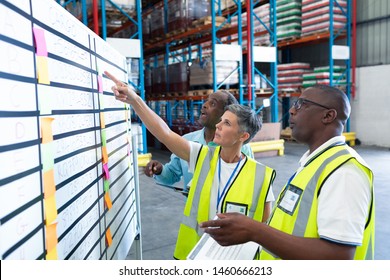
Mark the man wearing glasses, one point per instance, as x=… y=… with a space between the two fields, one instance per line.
x=326 y=210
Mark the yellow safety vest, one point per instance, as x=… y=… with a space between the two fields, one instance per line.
x=301 y=218
x=249 y=188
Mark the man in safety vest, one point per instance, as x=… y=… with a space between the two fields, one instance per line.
x=326 y=210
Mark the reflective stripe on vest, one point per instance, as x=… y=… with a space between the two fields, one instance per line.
x=308 y=195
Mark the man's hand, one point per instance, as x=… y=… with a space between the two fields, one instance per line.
x=229 y=229
x=153 y=167
x=121 y=90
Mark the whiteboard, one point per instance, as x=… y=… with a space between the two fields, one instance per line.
x=58 y=120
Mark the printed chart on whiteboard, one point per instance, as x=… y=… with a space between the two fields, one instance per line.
x=67 y=182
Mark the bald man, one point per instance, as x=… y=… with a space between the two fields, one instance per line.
x=326 y=209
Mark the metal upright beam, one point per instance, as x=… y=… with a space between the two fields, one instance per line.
x=213 y=42
x=250 y=63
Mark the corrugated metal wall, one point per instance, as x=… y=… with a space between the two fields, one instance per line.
x=373 y=32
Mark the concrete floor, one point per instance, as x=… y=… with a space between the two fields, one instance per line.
x=161 y=207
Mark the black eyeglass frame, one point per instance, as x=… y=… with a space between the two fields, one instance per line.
x=297 y=104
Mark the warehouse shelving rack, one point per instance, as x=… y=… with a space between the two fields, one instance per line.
x=329 y=37
x=182 y=47
x=190 y=41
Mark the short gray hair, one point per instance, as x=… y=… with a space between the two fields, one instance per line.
x=248 y=120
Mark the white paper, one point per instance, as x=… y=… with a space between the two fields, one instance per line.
x=208 y=249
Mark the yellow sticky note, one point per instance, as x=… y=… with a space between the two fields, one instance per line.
x=102 y=121
x=108 y=201
x=50 y=209
x=49 y=187
x=52 y=255
x=43 y=70
x=108 y=237
x=104 y=154
x=51 y=237
x=46 y=130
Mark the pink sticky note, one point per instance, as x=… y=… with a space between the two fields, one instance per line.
x=100 y=84
x=40 y=42
x=106 y=172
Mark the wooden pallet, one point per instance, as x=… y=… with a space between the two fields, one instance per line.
x=200 y=92
x=177 y=94
x=175 y=32
x=208 y=20
x=263 y=91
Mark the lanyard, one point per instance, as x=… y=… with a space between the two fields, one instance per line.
x=220 y=195
x=289 y=180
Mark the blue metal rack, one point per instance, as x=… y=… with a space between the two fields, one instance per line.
x=273 y=81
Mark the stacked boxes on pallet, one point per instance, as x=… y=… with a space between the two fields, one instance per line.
x=159 y=81
x=157 y=30
x=181 y=13
x=178 y=78
x=148 y=82
x=146 y=27
x=321 y=75
x=201 y=73
x=290 y=76
x=288 y=19
x=316 y=16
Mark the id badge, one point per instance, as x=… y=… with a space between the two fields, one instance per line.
x=232 y=207
x=290 y=199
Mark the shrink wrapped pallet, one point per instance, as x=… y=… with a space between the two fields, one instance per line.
x=316 y=16
x=178 y=77
x=321 y=75
x=201 y=73
x=289 y=17
x=290 y=76
x=181 y=13
x=157 y=23
x=159 y=81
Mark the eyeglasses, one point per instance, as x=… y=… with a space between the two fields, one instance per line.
x=298 y=103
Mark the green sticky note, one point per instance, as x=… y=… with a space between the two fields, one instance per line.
x=106 y=185
x=104 y=139
x=47 y=156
